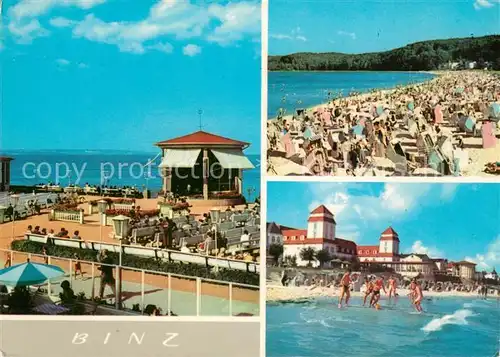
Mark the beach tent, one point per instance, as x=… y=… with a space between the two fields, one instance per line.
x=308 y=133
x=466 y=124
x=495 y=110
x=358 y=130
x=488 y=135
x=438 y=115
x=29 y=274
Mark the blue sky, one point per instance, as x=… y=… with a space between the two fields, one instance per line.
x=453 y=221
x=109 y=74
x=358 y=26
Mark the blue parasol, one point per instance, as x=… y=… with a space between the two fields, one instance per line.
x=380 y=110
x=29 y=274
x=411 y=106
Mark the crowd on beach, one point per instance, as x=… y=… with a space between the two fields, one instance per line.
x=419 y=130
x=369 y=287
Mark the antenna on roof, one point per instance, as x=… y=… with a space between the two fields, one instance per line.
x=200 y=113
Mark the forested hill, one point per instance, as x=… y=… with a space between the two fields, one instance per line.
x=427 y=55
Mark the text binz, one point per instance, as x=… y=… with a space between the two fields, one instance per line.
x=169 y=340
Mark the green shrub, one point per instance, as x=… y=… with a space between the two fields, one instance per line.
x=133 y=261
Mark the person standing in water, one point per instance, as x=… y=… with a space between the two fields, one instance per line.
x=345 y=284
x=379 y=285
x=418 y=296
x=392 y=285
x=411 y=295
x=368 y=289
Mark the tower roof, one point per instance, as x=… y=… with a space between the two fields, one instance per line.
x=321 y=210
x=321 y=214
x=202 y=138
x=389 y=234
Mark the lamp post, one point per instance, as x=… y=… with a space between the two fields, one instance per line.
x=101 y=205
x=14 y=200
x=120 y=225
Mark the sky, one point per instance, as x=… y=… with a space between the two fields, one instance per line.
x=451 y=221
x=111 y=74
x=360 y=26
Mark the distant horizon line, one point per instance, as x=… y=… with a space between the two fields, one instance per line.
x=86 y=151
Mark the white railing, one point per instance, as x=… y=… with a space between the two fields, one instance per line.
x=149 y=252
x=67 y=216
x=68 y=266
x=123 y=206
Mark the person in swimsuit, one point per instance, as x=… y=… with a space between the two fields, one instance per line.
x=418 y=296
x=392 y=285
x=345 y=283
x=368 y=289
x=379 y=285
x=411 y=295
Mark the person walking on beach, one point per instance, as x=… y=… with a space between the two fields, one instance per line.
x=418 y=296
x=368 y=289
x=345 y=284
x=392 y=285
x=379 y=285
x=8 y=260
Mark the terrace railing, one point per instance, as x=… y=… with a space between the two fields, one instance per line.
x=172 y=293
x=67 y=216
x=149 y=252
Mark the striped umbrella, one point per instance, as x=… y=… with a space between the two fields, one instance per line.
x=29 y=274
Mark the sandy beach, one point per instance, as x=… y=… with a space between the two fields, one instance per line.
x=445 y=126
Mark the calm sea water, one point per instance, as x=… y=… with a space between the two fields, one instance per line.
x=30 y=168
x=292 y=90
x=449 y=327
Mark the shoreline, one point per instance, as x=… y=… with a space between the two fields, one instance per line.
x=298 y=294
x=362 y=95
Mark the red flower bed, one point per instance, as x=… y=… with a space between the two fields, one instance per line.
x=132 y=213
x=67 y=207
x=179 y=206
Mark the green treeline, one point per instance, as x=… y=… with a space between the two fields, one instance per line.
x=454 y=53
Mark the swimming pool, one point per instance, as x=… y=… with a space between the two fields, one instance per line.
x=449 y=327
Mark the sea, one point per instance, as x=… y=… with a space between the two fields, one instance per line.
x=103 y=166
x=291 y=90
x=449 y=327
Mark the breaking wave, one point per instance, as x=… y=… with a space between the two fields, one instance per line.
x=459 y=317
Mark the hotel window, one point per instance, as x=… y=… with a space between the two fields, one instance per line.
x=385 y=246
x=315 y=230
x=302 y=237
x=293 y=237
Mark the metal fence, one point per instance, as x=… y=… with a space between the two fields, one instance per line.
x=170 y=293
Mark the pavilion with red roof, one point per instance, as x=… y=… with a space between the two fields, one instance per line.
x=5 y=173
x=202 y=163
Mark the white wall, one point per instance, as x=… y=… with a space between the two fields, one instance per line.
x=294 y=250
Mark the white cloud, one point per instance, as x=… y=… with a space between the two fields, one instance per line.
x=83 y=65
x=223 y=24
x=61 y=22
x=63 y=62
x=191 y=50
x=24 y=25
x=480 y=4
x=162 y=47
x=490 y=258
x=418 y=247
x=25 y=32
x=236 y=21
x=295 y=35
x=352 y=35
